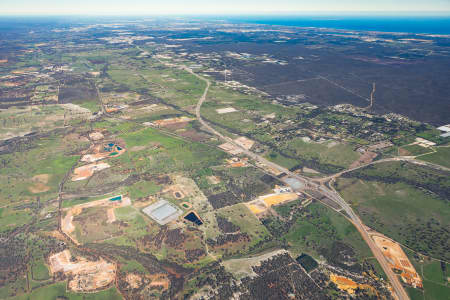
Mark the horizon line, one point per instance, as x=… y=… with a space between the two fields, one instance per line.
x=415 y=13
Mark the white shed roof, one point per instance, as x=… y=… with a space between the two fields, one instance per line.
x=445 y=128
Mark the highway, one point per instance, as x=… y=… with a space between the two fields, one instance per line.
x=398 y=289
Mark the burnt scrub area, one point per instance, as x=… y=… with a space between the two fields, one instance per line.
x=236 y=185
x=307 y=262
x=407 y=82
x=223 y=199
x=77 y=91
x=225 y=225
x=221 y=284
x=313 y=230
x=185 y=245
x=194 y=254
x=223 y=240
x=341 y=255
x=280 y=277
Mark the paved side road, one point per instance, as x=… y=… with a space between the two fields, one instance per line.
x=399 y=291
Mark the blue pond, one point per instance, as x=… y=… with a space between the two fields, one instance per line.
x=193 y=218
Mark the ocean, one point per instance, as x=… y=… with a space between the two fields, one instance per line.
x=410 y=24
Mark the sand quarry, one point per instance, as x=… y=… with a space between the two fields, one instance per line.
x=84 y=275
x=398 y=260
x=263 y=203
x=101 y=151
x=67 y=221
x=87 y=171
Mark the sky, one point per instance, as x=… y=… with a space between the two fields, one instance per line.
x=151 y=7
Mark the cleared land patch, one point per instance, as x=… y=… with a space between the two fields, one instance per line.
x=440 y=157
x=85 y=275
x=398 y=260
x=67 y=221
x=87 y=171
x=225 y=110
x=263 y=203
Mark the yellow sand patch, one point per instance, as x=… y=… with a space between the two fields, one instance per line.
x=279 y=198
x=171 y=121
x=263 y=203
x=343 y=283
x=256 y=209
x=348 y=285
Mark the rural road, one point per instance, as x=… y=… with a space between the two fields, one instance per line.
x=399 y=291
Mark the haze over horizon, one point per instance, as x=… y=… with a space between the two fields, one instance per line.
x=142 y=7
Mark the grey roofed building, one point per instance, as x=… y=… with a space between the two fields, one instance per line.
x=162 y=212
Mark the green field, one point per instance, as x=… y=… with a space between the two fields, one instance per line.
x=137 y=226
x=16 y=176
x=20 y=121
x=40 y=270
x=11 y=218
x=321 y=228
x=415 y=150
x=132 y=266
x=76 y=201
x=24 y=179
x=58 y=291
x=320 y=232
x=415 y=294
x=440 y=157
x=282 y=160
x=339 y=155
x=178 y=87
x=166 y=154
x=433 y=272
x=396 y=208
x=142 y=189
x=435 y=291
x=435 y=282
x=242 y=217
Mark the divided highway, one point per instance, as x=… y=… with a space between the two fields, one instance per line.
x=399 y=291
